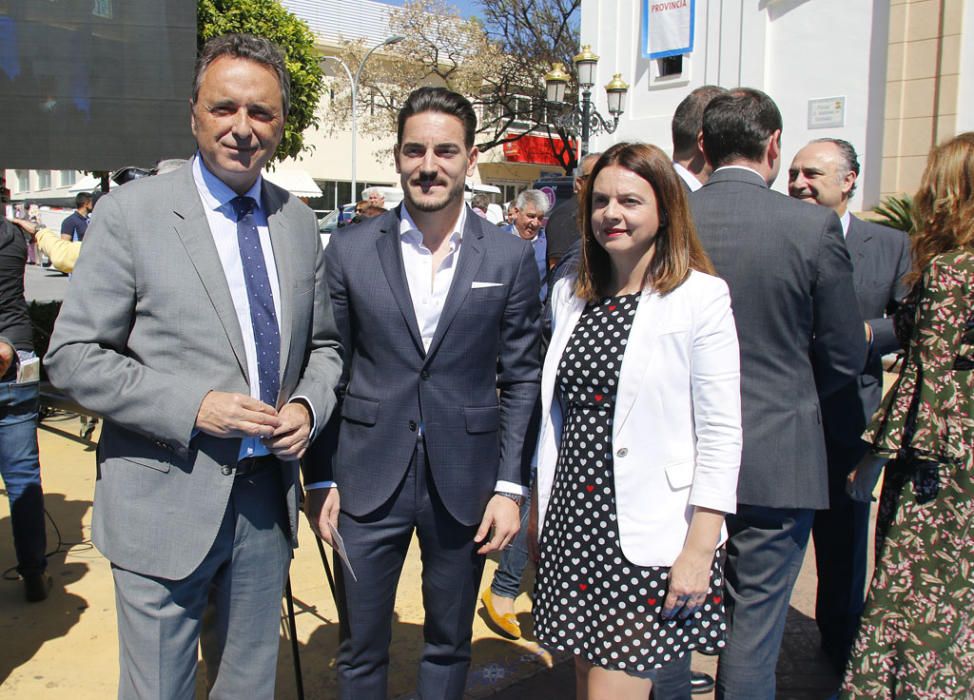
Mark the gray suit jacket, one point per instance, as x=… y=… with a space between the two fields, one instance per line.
x=147 y=329
x=880 y=258
x=799 y=327
x=486 y=340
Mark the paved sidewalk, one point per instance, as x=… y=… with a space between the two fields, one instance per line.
x=66 y=648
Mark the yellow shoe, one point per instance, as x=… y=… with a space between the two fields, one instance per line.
x=506 y=623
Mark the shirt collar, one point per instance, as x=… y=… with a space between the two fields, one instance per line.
x=740 y=167
x=692 y=182
x=845 y=222
x=215 y=193
x=410 y=231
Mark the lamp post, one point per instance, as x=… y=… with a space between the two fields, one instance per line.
x=584 y=119
x=354 y=80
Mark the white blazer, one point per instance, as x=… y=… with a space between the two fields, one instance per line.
x=676 y=431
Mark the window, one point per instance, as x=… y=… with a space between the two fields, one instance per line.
x=68 y=178
x=670 y=66
x=23 y=181
x=43 y=179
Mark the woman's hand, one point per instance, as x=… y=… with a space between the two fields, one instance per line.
x=689 y=583
x=862 y=480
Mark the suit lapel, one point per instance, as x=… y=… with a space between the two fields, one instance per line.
x=388 y=247
x=651 y=317
x=856 y=240
x=566 y=314
x=470 y=258
x=282 y=243
x=194 y=232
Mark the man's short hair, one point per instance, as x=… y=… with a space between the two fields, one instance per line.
x=688 y=120
x=438 y=99
x=737 y=124
x=480 y=201
x=253 y=48
x=536 y=197
x=81 y=199
x=369 y=191
x=850 y=159
x=585 y=159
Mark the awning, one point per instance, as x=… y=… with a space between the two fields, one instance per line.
x=297 y=182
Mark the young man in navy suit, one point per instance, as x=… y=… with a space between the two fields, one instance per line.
x=438 y=313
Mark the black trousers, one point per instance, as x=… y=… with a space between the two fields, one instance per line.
x=452 y=569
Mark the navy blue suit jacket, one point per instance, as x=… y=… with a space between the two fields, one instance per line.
x=472 y=393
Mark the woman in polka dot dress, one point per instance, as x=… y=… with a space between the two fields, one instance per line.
x=641 y=437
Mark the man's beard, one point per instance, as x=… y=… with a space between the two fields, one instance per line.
x=435 y=205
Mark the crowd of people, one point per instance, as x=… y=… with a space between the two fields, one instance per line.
x=658 y=399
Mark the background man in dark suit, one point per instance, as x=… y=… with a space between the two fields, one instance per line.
x=438 y=311
x=801 y=337
x=562 y=227
x=199 y=327
x=824 y=172
x=686 y=129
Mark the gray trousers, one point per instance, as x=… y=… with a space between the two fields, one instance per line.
x=764 y=555
x=230 y=606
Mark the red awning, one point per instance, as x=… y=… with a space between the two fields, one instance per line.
x=534 y=149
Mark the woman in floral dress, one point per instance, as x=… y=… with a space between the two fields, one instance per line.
x=917 y=634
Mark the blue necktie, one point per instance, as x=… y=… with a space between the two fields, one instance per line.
x=262 y=315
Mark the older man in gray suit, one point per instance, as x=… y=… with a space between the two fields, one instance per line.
x=825 y=173
x=439 y=312
x=200 y=328
x=801 y=338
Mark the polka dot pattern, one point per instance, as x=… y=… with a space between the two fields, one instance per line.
x=589 y=599
x=267 y=334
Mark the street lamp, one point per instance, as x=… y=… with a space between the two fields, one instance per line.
x=394 y=39
x=585 y=119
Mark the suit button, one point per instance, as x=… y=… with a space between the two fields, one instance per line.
x=225 y=470
x=412 y=426
x=622 y=452
x=424 y=374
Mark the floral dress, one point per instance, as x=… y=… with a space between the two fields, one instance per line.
x=916 y=639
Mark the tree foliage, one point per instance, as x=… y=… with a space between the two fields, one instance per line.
x=267 y=18
x=499 y=64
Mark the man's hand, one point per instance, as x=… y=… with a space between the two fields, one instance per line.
x=322 y=506
x=504 y=516
x=290 y=439
x=869 y=332
x=28 y=227
x=229 y=415
x=7 y=355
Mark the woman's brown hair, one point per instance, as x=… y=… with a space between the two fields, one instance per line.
x=678 y=249
x=943 y=207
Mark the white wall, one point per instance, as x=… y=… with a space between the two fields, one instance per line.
x=965 y=83
x=795 y=50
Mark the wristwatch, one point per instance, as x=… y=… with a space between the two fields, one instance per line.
x=516 y=497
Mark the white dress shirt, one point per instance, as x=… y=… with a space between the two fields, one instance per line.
x=692 y=182
x=428 y=288
x=845 y=223
x=222 y=220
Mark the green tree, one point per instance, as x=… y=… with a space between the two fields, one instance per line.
x=267 y=18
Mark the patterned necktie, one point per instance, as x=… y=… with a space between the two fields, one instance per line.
x=267 y=336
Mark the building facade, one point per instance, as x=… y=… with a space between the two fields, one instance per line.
x=892 y=78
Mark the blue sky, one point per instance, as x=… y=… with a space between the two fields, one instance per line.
x=467 y=8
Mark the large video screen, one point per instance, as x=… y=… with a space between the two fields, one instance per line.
x=95 y=84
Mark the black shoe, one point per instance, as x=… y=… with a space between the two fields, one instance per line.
x=701 y=682
x=36 y=587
